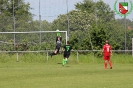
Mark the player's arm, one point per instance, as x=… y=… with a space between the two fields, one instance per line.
x=56 y=39
x=102 y=51
x=63 y=49
x=60 y=38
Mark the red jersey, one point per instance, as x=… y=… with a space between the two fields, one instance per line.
x=107 y=50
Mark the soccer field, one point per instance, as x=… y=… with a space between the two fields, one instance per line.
x=54 y=75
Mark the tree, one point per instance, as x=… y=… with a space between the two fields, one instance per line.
x=14 y=16
x=83 y=23
x=103 y=13
x=129 y=33
x=14 y=9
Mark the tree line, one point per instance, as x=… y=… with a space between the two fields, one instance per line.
x=90 y=24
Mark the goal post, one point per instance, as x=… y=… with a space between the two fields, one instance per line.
x=34 y=32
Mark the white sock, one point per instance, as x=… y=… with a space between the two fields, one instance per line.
x=66 y=59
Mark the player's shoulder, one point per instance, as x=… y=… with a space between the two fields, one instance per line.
x=109 y=45
x=104 y=45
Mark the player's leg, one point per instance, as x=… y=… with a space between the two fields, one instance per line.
x=58 y=50
x=63 y=61
x=110 y=63
x=105 y=62
x=67 y=56
x=54 y=53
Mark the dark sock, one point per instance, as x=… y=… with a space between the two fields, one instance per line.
x=53 y=53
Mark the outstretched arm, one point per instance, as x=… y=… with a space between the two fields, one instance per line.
x=60 y=38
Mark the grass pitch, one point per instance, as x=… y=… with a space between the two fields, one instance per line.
x=73 y=75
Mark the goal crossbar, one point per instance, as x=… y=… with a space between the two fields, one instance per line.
x=30 y=32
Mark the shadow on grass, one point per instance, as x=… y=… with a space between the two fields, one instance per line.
x=64 y=66
x=59 y=63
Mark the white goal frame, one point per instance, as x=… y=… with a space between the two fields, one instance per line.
x=36 y=32
x=28 y=33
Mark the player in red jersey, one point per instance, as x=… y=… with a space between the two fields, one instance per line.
x=107 y=52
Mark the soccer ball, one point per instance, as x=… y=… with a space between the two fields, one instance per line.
x=57 y=30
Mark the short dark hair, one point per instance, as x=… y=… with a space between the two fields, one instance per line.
x=106 y=41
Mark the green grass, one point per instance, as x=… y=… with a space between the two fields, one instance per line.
x=45 y=75
x=42 y=58
x=34 y=71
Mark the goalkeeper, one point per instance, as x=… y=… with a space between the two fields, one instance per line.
x=58 y=45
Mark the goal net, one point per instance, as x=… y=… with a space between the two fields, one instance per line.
x=30 y=41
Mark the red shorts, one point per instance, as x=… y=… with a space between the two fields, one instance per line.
x=107 y=58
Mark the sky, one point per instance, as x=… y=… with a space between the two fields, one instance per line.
x=51 y=9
